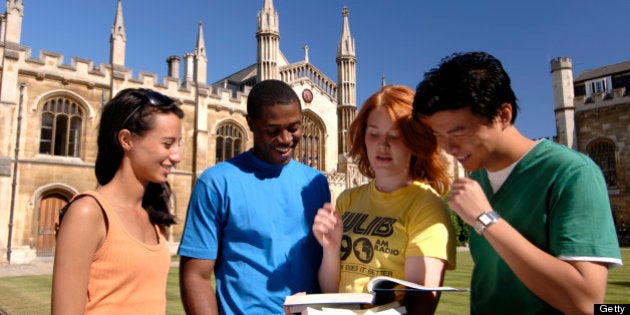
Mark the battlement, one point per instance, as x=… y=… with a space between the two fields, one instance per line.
x=51 y=66
x=219 y=95
x=560 y=63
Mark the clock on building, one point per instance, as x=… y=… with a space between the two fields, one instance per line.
x=307 y=95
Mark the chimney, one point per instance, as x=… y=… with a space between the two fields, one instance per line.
x=173 y=66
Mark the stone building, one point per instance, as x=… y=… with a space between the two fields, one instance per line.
x=593 y=116
x=50 y=107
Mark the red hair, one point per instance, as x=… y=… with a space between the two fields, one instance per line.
x=427 y=164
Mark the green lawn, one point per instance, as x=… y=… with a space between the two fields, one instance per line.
x=30 y=295
x=457 y=302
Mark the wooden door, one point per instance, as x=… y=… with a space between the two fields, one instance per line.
x=48 y=220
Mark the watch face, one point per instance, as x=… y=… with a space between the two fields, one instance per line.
x=485 y=219
x=307 y=95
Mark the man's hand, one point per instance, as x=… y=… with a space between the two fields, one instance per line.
x=468 y=200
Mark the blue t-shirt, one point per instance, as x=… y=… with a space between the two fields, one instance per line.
x=255 y=220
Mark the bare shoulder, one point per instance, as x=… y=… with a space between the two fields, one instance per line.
x=83 y=226
x=85 y=208
x=84 y=215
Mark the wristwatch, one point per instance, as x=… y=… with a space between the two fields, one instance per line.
x=485 y=220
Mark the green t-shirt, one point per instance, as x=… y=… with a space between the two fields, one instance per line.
x=557 y=199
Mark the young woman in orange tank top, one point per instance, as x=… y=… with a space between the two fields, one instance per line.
x=111 y=255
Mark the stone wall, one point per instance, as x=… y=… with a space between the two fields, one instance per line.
x=611 y=123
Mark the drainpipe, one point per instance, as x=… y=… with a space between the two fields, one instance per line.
x=15 y=169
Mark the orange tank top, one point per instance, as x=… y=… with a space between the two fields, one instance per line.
x=127 y=276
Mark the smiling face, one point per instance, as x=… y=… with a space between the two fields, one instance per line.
x=158 y=150
x=276 y=132
x=386 y=151
x=468 y=138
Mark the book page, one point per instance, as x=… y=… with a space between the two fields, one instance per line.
x=329 y=298
x=393 y=308
x=384 y=283
x=299 y=302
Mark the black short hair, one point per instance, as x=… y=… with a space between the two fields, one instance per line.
x=267 y=93
x=474 y=79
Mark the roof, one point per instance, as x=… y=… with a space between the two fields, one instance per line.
x=247 y=73
x=240 y=76
x=603 y=71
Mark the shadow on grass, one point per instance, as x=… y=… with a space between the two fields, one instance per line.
x=620 y=283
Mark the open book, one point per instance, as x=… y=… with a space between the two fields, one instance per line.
x=297 y=303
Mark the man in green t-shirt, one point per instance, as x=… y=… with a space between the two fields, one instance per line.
x=545 y=235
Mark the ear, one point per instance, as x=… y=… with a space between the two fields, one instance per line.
x=125 y=138
x=505 y=114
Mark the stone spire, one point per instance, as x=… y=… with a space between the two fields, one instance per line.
x=201 y=58
x=346 y=45
x=268 y=37
x=118 y=39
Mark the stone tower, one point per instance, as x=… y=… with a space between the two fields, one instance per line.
x=563 y=95
x=268 y=37
x=346 y=96
x=346 y=84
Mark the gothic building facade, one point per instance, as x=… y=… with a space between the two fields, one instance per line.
x=593 y=116
x=49 y=111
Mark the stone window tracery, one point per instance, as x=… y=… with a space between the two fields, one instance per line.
x=61 y=125
x=310 y=150
x=229 y=141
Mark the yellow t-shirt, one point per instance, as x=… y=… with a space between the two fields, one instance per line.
x=382 y=229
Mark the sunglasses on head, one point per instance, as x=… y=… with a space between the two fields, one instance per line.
x=152 y=98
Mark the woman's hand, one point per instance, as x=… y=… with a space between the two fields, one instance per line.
x=328 y=227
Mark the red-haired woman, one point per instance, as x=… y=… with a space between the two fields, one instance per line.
x=397 y=224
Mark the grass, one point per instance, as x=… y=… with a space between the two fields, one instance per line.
x=30 y=295
x=25 y=295
x=457 y=302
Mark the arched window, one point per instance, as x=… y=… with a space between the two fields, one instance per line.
x=61 y=127
x=310 y=150
x=229 y=141
x=603 y=153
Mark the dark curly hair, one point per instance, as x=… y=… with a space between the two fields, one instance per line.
x=474 y=79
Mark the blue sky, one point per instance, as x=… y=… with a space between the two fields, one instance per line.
x=396 y=39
